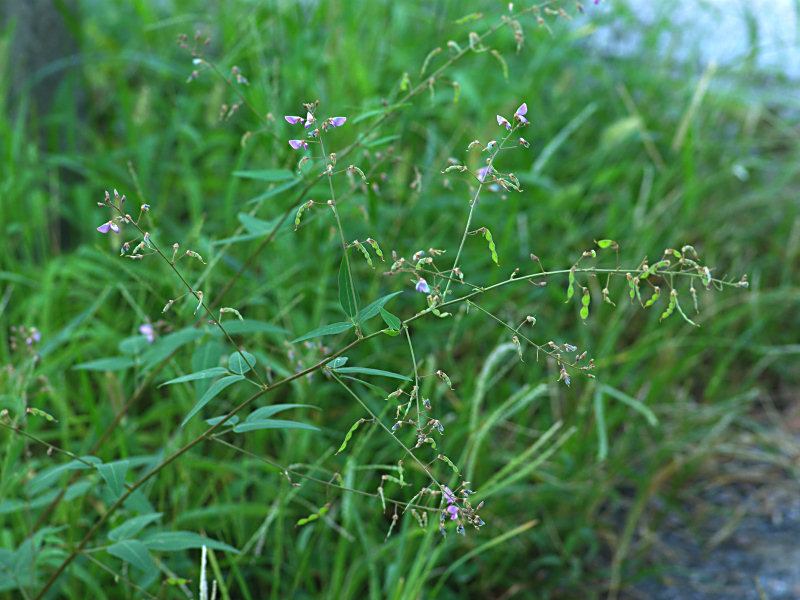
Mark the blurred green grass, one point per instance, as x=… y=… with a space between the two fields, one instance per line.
x=730 y=189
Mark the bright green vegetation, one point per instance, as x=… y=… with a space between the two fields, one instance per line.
x=631 y=149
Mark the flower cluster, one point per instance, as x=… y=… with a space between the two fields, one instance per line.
x=519 y=115
x=311 y=121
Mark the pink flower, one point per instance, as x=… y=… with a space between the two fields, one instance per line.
x=310 y=120
x=521 y=112
x=337 y=121
x=422 y=286
x=292 y=120
x=450 y=497
x=503 y=122
x=297 y=144
x=148 y=331
x=109 y=225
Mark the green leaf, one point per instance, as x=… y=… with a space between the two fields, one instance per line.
x=372 y=309
x=114 y=475
x=267 y=411
x=392 y=321
x=132 y=526
x=204 y=374
x=46 y=478
x=272 y=424
x=116 y=363
x=275 y=191
x=602 y=433
x=133 y=345
x=266 y=174
x=368 y=371
x=133 y=552
x=238 y=365
x=339 y=361
x=348 y=294
x=252 y=326
x=331 y=329
x=642 y=409
x=166 y=345
x=380 y=111
x=171 y=541
x=380 y=141
x=212 y=393
x=230 y=422
x=205 y=356
x=254 y=225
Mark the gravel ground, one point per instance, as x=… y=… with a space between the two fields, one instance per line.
x=739 y=541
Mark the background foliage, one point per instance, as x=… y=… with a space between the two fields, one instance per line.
x=623 y=147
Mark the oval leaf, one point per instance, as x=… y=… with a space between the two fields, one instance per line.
x=238 y=365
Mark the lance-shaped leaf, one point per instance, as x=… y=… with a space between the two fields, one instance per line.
x=348 y=295
x=331 y=329
x=212 y=392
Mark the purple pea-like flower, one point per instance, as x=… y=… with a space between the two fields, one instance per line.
x=297 y=144
x=293 y=120
x=450 y=497
x=337 y=121
x=109 y=225
x=148 y=331
x=33 y=337
x=422 y=286
x=309 y=120
x=521 y=112
x=503 y=122
x=482 y=173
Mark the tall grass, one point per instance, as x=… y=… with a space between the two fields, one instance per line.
x=632 y=148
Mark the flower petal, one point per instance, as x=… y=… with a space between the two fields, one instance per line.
x=503 y=122
x=337 y=121
x=422 y=286
x=293 y=119
x=104 y=227
x=522 y=110
x=297 y=144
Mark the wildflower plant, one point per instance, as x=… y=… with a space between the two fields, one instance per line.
x=237 y=395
